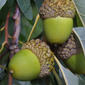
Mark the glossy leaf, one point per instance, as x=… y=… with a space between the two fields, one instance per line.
x=26 y=8
x=38 y=2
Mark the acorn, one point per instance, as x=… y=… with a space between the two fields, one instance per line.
x=57 y=18
x=34 y=60
x=72 y=55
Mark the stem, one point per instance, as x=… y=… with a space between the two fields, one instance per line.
x=36 y=21
x=2 y=47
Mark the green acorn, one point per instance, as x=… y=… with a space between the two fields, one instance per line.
x=57 y=18
x=71 y=53
x=34 y=60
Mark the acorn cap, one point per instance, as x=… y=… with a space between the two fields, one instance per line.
x=69 y=48
x=44 y=54
x=54 y=8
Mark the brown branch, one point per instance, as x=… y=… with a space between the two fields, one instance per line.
x=6 y=28
x=10 y=79
x=16 y=17
x=6 y=33
x=14 y=44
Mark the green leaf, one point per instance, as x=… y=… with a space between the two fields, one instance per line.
x=4 y=81
x=26 y=28
x=26 y=8
x=26 y=25
x=2 y=3
x=38 y=2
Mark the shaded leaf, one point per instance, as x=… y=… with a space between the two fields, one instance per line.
x=2 y=3
x=26 y=28
x=80 y=33
x=4 y=81
x=16 y=82
x=26 y=8
x=2 y=72
x=43 y=81
x=38 y=2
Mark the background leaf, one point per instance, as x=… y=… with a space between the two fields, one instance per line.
x=72 y=79
x=26 y=8
x=2 y=3
x=38 y=2
x=80 y=33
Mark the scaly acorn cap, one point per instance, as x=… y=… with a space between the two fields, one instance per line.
x=54 y=8
x=69 y=48
x=44 y=54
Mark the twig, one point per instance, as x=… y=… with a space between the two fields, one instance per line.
x=18 y=40
x=2 y=47
x=37 y=18
x=2 y=28
x=6 y=28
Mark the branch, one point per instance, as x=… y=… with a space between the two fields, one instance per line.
x=16 y=17
x=14 y=44
x=10 y=80
x=6 y=28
